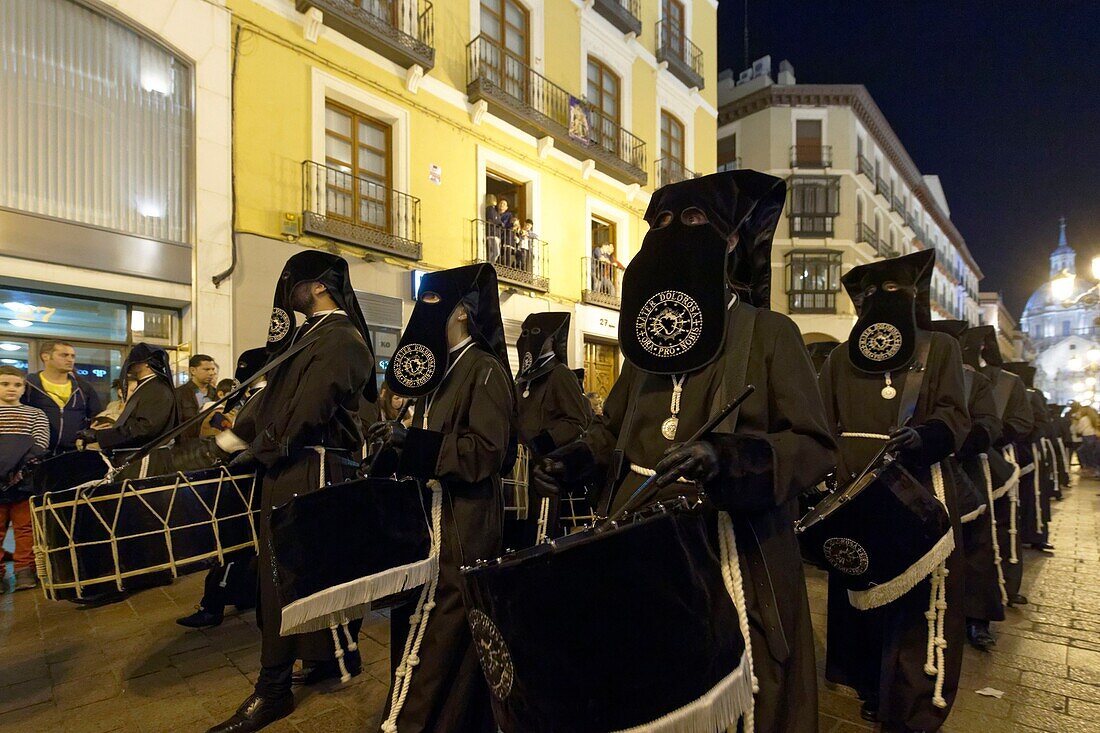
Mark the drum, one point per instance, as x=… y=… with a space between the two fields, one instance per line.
x=515 y=486
x=880 y=535
x=95 y=539
x=347 y=548
x=631 y=628
x=66 y=470
x=970 y=496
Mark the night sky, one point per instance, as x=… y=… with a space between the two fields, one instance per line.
x=1000 y=99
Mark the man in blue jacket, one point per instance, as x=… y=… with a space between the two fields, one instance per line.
x=69 y=402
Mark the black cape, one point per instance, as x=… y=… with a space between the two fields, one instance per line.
x=150 y=412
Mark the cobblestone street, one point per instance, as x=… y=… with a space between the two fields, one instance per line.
x=128 y=667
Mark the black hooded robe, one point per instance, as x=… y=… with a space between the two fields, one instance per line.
x=149 y=413
x=780 y=447
x=1035 y=500
x=883 y=651
x=1017 y=423
x=312 y=400
x=552 y=412
x=463 y=446
x=983 y=590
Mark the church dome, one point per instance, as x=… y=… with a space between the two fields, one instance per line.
x=1043 y=298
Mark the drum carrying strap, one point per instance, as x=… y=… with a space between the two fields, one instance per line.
x=910 y=394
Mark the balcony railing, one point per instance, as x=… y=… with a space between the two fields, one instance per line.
x=520 y=259
x=670 y=170
x=867 y=168
x=911 y=222
x=882 y=187
x=811 y=226
x=867 y=235
x=811 y=301
x=730 y=165
x=531 y=102
x=401 y=30
x=897 y=205
x=811 y=156
x=683 y=58
x=603 y=281
x=625 y=15
x=357 y=210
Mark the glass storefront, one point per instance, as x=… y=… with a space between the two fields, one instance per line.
x=100 y=331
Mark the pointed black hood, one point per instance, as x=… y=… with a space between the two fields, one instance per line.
x=991 y=348
x=421 y=359
x=331 y=271
x=542 y=331
x=154 y=356
x=973 y=342
x=250 y=362
x=1024 y=370
x=888 y=297
x=677 y=288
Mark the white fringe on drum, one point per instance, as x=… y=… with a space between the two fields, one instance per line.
x=418 y=621
x=990 y=494
x=880 y=595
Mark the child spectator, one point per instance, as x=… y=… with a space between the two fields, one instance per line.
x=221 y=420
x=24 y=434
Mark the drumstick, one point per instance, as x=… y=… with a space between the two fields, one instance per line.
x=640 y=494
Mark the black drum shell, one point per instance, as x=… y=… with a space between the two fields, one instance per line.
x=608 y=630
x=347 y=531
x=135 y=507
x=888 y=527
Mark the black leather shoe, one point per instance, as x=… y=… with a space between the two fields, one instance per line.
x=255 y=713
x=979 y=637
x=1042 y=546
x=1017 y=600
x=311 y=674
x=201 y=619
x=869 y=709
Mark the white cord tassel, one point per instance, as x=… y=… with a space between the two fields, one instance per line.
x=993 y=528
x=1048 y=445
x=345 y=676
x=352 y=644
x=1038 y=488
x=1013 y=509
x=418 y=622
x=731 y=575
x=937 y=610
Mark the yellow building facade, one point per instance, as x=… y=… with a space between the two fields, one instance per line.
x=385 y=130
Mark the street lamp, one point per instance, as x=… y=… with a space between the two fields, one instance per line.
x=1075 y=364
x=1061 y=287
x=1096 y=268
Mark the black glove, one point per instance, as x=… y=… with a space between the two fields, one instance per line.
x=243 y=462
x=86 y=436
x=697 y=461
x=547 y=478
x=390 y=433
x=905 y=438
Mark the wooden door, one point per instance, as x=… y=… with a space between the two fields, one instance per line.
x=601 y=366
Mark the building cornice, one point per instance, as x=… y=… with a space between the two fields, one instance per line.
x=860 y=101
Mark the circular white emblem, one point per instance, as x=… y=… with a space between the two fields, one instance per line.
x=846 y=555
x=880 y=341
x=279 y=326
x=413 y=365
x=528 y=360
x=496 y=662
x=669 y=324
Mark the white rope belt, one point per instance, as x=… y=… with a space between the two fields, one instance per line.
x=735 y=586
x=937 y=610
x=1013 y=508
x=1036 y=457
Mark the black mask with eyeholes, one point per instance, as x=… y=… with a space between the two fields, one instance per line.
x=422 y=357
x=542 y=331
x=677 y=288
x=886 y=295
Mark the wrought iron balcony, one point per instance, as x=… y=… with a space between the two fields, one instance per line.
x=531 y=102
x=817 y=226
x=683 y=58
x=867 y=168
x=623 y=14
x=882 y=187
x=670 y=170
x=911 y=222
x=520 y=259
x=867 y=235
x=357 y=210
x=811 y=156
x=897 y=205
x=603 y=281
x=527 y=99
x=730 y=165
x=401 y=30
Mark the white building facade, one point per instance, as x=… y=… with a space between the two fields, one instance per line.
x=855 y=196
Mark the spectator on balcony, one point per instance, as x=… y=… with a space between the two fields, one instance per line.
x=492 y=229
x=507 y=232
x=603 y=270
x=525 y=245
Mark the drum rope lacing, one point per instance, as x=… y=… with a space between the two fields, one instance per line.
x=869 y=436
x=993 y=528
x=649 y=472
x=937 y=609
x=1014 y=507
x=544 y=518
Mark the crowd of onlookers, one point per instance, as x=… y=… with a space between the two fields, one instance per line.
x=509 y=240
x=1086 y=428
